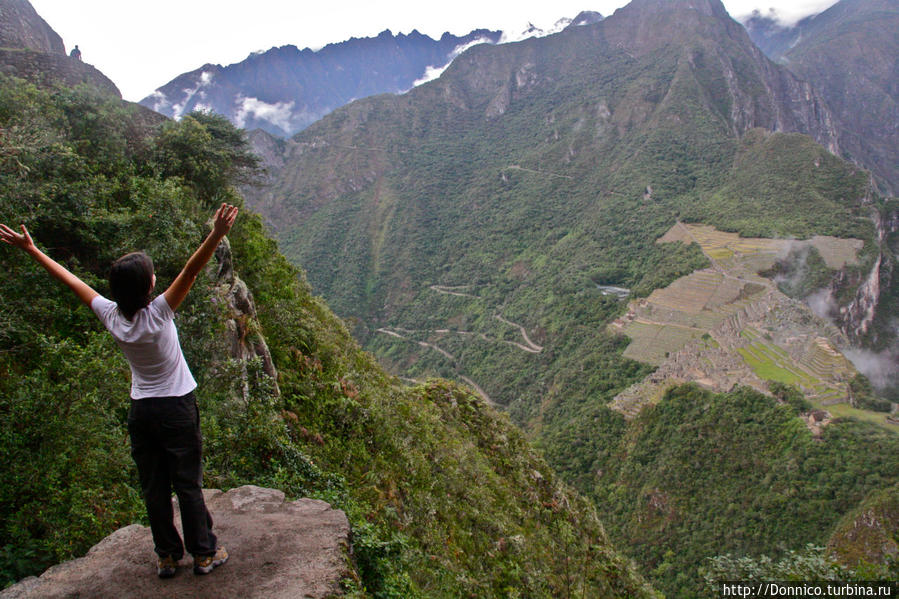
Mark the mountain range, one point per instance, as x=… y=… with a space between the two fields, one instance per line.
x=572 y=224
x=284 y=90
x=445 y=497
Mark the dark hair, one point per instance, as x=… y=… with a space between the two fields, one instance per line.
x=130 y=278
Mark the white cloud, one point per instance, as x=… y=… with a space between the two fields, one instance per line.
x=880 y=368
x=787 y=13
x=278 y=114
x=532 y=30
x=189 y=92
x=160 y=101
x=433 y=72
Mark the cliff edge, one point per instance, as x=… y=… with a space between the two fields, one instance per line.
x=279 y=549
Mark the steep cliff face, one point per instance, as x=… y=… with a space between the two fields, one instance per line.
x=22 y=27
x=850 y=54
x=751 y=90
x=868 y=319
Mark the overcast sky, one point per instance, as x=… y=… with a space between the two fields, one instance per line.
x=144 y=45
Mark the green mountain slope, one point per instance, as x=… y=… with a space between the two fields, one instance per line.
x=465 y=229
x=445 y=496
x=699 y=475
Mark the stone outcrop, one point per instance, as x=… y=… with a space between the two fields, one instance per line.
x=30 y=49
x=278 y=550
x=245 y=339
x=22 y=27
x=46 y=70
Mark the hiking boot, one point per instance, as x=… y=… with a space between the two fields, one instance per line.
x=204 y=564
x=166 y=566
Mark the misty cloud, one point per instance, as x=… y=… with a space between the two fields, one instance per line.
x=433 y=72
x=160 y=101
x=189 y=92
x=882 y=369
x=278 y=114
x=787 y=15
x=822 y=304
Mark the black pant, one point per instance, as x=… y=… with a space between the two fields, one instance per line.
x=167 y=447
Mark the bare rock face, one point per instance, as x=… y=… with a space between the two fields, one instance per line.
x=30 y=49
x=245 y=338
x=22 y=27
x=278 y=550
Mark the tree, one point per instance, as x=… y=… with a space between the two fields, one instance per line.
x=207 y=152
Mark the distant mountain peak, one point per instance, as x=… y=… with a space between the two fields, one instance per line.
x=712 y=8
x=586 y=17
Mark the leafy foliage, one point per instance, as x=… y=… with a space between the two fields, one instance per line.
x=701 y=474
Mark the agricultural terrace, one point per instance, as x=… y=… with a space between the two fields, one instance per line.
x=743 y=315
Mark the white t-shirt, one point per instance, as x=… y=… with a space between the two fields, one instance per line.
x=150 y=342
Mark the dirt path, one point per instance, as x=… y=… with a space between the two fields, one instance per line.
x=421 y=343
x=397 y=332
x=480 y=391
x=449 y=290
x=529 y=345
x=534 y=348
x=445 y=353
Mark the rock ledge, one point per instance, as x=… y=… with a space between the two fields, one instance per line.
x=279 y=549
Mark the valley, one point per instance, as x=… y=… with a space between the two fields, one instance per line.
x=593 y=299
x=574 y=227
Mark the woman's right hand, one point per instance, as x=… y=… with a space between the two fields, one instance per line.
x=22 y=240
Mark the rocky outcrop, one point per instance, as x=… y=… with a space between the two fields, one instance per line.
x=870 y=533
x=245 y=339
x=21 y=27
x=856 y=318
x=31 y=50
x=54 y=69
x=278 y=550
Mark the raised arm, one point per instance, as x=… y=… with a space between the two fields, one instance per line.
x=57 y=270
x=222 y=223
